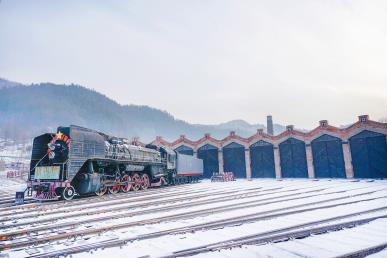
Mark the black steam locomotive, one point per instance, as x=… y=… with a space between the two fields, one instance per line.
x=81 y=161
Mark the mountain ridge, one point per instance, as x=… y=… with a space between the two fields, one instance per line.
x=28 y=110
x=6 y=83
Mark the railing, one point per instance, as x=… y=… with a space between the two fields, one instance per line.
x=37 y=163
x=64 y=170
x=132 y=157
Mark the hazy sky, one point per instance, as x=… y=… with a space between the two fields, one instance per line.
x=208 y=61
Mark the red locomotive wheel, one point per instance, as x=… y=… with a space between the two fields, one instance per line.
x=115 y=188
x=137 y=182
x=166 y=180
x=126 y=179
x=102 y=190
x=145 y=182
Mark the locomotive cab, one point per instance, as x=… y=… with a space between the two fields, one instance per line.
x=49 y=167
x=49 y=157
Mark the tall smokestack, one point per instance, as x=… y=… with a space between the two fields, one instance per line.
x=270 y=125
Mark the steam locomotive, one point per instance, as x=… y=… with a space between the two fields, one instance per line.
x=80 y=161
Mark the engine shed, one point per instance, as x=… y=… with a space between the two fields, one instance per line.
x=357 y=151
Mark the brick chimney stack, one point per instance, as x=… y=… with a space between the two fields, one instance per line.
x=270 y=129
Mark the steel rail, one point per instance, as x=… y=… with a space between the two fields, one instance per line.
x=132 y=204
x=364 y=252
x=113 y=202
x=126 y=214
x=283 y=234
x=92 y=199
x=261 y=238
x=40 y=206
x=162 y=219
x=182 y=205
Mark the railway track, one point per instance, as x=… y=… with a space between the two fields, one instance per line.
x=3 y=196
x=7 y=201
x=270 y=236
x=180 y=216
x=71 y=207
x=134 y=206
x=142 y=192
x=364 y=252
x=44 y=206
x=89 y=201
x=109 y=205
x=153 y=210
x=179 y=213
x=253 y=192
x=54 y=205
x=236 y=220
x=283 y=234
x=10 y=202
x=40 y=205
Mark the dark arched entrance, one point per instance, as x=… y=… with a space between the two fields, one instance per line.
x=369 y=154
x=293 y=158
x=209 y=154
x=234 y=159
x=262 y=159
x=328 y=159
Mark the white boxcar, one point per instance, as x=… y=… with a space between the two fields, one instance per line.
x=188 y=165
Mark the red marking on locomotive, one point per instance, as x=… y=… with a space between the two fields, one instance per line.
x=191 y=174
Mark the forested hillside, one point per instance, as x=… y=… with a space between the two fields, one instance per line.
x=26 y=111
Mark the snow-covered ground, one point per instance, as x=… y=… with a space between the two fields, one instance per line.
x=381 y=254
x=9 y=186
x=287 y=202
x=10 y=152
x=14 y=158
x=12 y=149
x=326 y=245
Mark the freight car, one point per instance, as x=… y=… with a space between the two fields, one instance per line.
x=80 y=161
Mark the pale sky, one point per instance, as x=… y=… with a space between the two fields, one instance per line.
x=208 y=61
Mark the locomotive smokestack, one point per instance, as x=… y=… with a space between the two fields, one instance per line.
x=270 y=125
